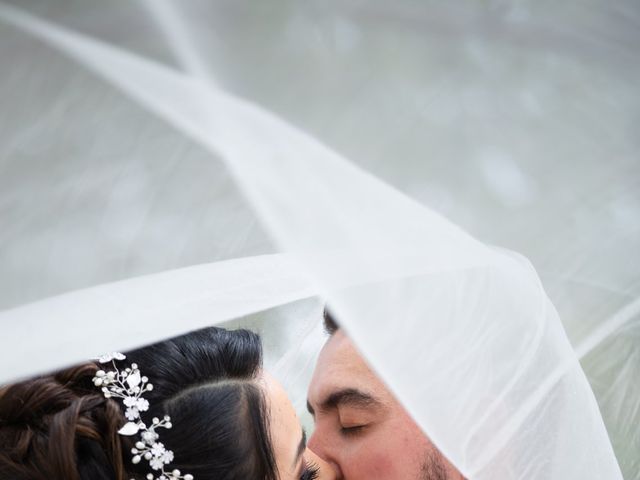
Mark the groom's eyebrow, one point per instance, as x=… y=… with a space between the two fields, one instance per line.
x=349 y=397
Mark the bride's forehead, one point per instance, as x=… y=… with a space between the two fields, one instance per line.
x=275 y=394
x=283 y=421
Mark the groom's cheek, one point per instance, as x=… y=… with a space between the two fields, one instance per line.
x=367 y=458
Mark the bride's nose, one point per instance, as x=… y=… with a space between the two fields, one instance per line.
x=327 y=470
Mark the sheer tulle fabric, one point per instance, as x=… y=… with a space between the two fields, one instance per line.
x=166 y=166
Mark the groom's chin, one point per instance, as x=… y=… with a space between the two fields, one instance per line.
x=432 y=468
x=436 y=467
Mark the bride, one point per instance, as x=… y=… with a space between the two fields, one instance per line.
x=199 y=406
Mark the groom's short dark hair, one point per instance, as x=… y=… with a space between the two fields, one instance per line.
x=330 y=324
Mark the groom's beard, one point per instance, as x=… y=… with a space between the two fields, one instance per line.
x=433 y=468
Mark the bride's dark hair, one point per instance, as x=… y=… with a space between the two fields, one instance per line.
x=60 y=426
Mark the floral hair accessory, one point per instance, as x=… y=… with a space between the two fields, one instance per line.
x=129 y=385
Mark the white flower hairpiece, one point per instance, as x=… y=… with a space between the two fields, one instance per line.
x=129 y=385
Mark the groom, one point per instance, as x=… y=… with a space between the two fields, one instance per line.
x=360 y=428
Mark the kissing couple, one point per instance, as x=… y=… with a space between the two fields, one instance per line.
x=202 y=407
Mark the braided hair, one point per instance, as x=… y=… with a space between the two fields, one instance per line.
x=58 y=426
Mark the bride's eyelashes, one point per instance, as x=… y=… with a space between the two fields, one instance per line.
x=310 y=472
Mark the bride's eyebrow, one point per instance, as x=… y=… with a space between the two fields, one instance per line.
x=302 y=446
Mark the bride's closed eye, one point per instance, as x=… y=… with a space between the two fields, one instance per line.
x=310 y=471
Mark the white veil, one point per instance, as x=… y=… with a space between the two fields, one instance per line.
x=166 y=166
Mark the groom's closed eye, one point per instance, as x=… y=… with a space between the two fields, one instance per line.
x=352 y=419
x=356 y=410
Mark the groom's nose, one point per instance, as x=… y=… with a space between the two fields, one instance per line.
x=320 y=445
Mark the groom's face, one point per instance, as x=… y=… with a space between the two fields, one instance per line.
x=361 y=428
